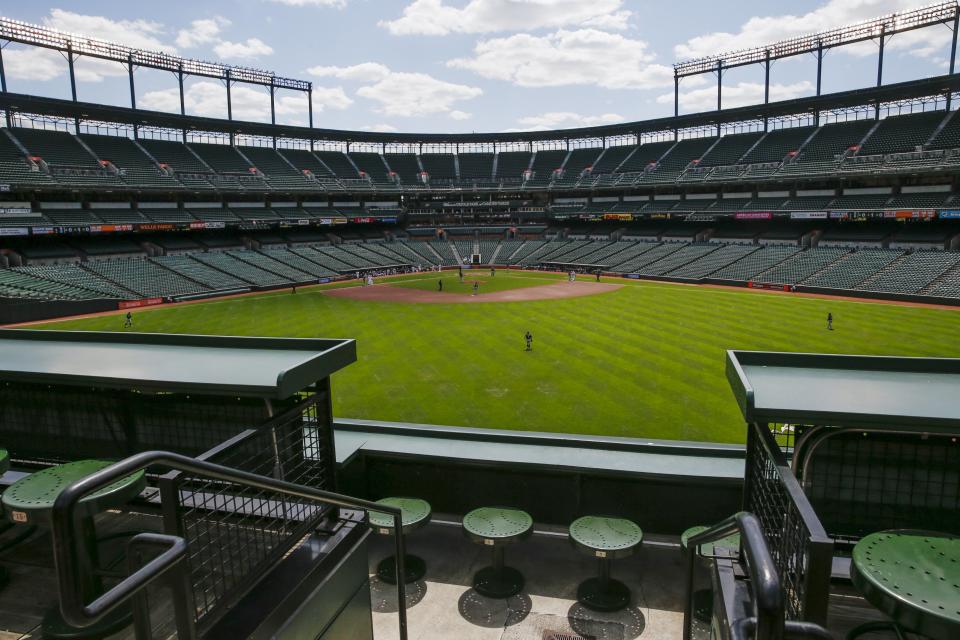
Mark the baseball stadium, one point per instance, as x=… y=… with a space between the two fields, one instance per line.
x=267 y=376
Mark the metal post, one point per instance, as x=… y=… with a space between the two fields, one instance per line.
x=229 y=105
x=73 y=84
x=676 y=103
x=183 y=108
x=766 y=86
x=883 y=38
x=953 y=51
x=133 y=94
x=719 y=91
x=310 y=110
x=273 y=109
x=3 y=87
x=819 y=77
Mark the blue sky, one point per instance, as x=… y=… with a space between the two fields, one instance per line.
x=463 y=65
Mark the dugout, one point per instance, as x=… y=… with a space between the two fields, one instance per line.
x=840 y=447
x=235 y=434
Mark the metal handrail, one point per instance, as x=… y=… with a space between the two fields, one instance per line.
x=744 y=628
x=64 y=532
x=765 y=583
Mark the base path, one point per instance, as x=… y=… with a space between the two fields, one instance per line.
x=386 y=293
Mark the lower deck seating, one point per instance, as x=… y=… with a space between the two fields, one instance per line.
x=911 y=273
x=145 y=278
x=853 y=269
x=801 y=266
x=199 y=272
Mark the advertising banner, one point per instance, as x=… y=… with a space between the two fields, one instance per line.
x=145 y=302
x=618 y=216
x=42 y=231
x=753 y=215
x=909 y=214
x=165 y=227
x=110 y=228
x=950 y=214
x=808 y=215
x=14 y=231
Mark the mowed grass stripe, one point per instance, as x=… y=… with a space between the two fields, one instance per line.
x=646 y=360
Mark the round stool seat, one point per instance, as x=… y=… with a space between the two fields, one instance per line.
x=913 y=577
x=30 y=499
x=605 y=537
x=730 y=543
x=414 y=514
x=4 y=461
x=495 y=526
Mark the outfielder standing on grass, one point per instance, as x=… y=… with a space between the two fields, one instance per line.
x=129 y=320
x=529 y=338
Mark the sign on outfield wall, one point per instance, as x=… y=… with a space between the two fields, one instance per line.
x=146 y=302
x=903 y=214
x=808 y=215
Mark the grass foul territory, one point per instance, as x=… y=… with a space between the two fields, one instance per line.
x=644 y=360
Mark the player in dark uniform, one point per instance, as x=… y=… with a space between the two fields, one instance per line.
x=129 y=320
x=439 y=285
x=529 y=338
x=476 y=287
x=829 y=322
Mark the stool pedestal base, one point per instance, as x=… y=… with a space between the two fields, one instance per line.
x=498 y=582
x=603 y=594
x=414 y=568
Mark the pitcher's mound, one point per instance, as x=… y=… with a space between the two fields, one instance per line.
x=386 y=293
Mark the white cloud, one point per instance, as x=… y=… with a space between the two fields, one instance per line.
x=364 y=72
x=33 y=63
x=202 y=31
x=312 y=3
x=564 y=120
x=209 y=99
x=140 y=34
x=459 y=115
x=434 y=17
x=582 y=57
x=738 y=95
x=380 y=128
x=416 y=94
x=251 y=48
x=763 y=30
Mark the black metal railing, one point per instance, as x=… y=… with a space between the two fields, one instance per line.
x=767 y=620
x=801 y=549
x=172 y=561
x=235 y=532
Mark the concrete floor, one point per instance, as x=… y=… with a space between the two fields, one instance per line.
x=443 y=606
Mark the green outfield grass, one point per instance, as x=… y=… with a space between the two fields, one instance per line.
x=646 y=360
x=488 y=283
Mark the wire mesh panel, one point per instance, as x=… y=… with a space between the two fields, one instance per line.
x=799 y=546
x=56 y=423
x=860 y=481
x=235 y=533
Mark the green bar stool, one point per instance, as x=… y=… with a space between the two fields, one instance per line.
x=497 y=527
x=30 y=501
x=415 y=514
x=605 y=539
x=913 y=577
x=703 y=598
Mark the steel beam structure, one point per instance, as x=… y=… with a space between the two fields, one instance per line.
x=942 y=13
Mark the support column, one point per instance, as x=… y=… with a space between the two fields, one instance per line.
x=719 y=91
x=133 y=94
x=883 y=39
x=819 y=78
x=229 y=105
x=953 y=51
x=183 y=108
x=676 y=102
x=766 y=86
x=73 y=84
x=310 y=110
x=273 y=110
x=3 y=87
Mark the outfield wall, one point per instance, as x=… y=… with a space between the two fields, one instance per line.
x=665 y=486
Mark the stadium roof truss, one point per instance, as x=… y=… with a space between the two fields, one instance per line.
x=73 y=46
x=878 y=29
